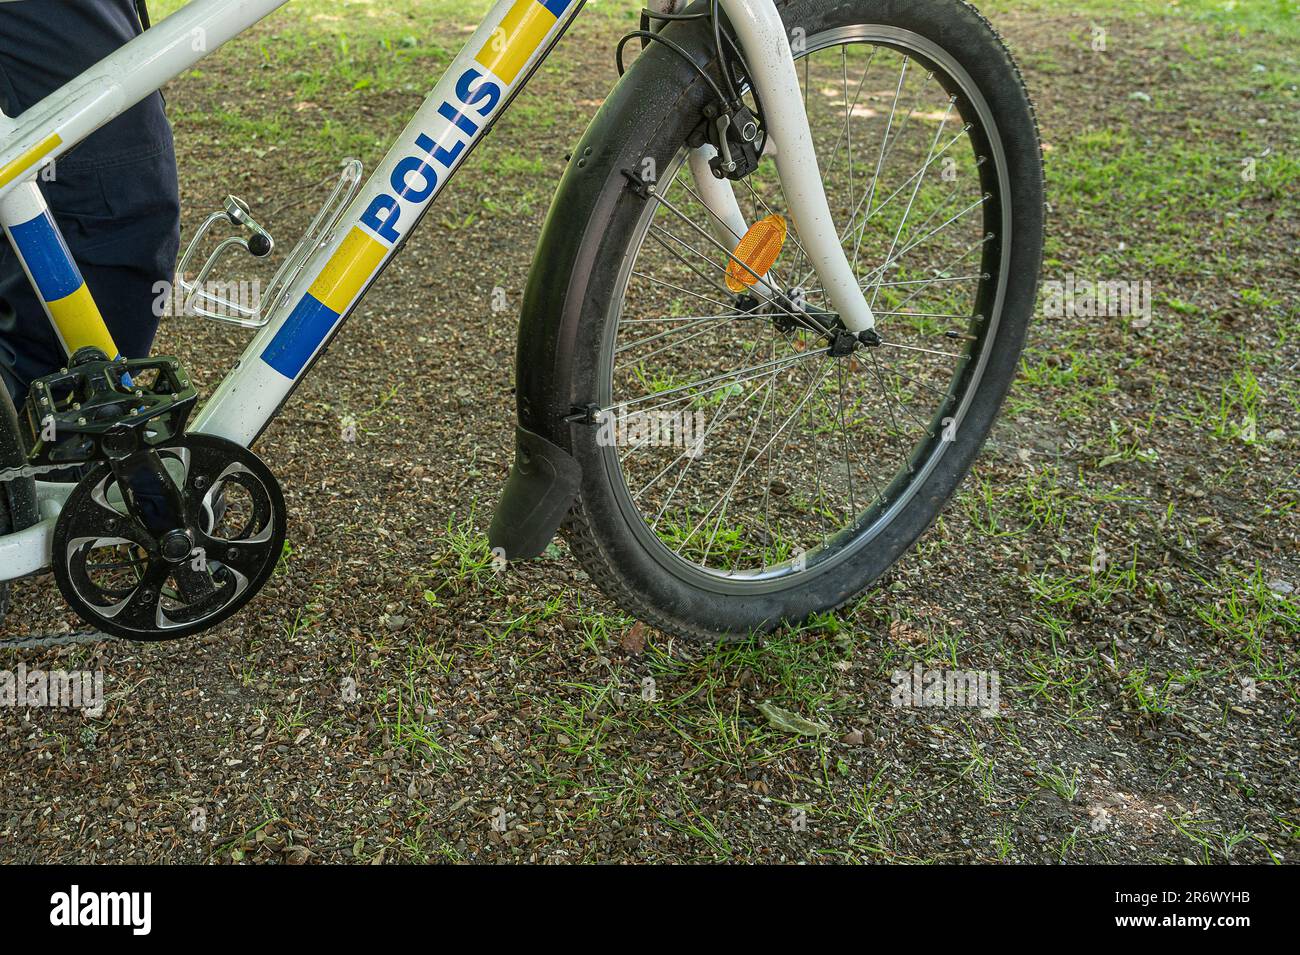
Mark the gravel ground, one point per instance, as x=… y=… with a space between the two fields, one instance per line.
x=1125 y=557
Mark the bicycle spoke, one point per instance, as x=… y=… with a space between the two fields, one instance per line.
x=884 y=141
x=917 y=188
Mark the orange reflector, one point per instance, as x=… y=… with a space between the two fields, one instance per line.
x=758 y=250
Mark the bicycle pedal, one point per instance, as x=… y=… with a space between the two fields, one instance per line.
x=96 y=408
x=207 y=298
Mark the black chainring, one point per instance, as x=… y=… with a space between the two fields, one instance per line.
x=112 y=571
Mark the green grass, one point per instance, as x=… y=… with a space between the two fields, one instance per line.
x=1263 y=626
x=1233 y=17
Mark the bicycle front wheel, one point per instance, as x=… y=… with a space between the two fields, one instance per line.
x=744 y=472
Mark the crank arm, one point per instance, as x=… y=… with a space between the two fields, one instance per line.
x=150 y=495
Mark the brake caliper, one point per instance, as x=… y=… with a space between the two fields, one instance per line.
x=734 y=134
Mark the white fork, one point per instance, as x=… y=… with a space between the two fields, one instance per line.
x=762 y=37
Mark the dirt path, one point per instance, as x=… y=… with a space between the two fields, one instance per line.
x=390 y=697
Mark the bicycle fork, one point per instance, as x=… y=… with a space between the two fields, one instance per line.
x=762 y=37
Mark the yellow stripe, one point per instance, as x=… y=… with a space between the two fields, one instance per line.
x=80 y=324
x=29 y=159
x=347 y=271
x=519 y=35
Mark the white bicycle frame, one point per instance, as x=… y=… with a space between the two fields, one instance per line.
x=491 y=68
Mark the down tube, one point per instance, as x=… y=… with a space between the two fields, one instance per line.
x=488 y=71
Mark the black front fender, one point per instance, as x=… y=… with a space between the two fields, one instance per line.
x=545 y=479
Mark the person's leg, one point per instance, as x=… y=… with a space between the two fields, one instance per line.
x=115 y=197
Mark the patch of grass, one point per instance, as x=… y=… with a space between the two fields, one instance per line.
x=403 y=720
x=1152 y=699
x=1057 y=780
x=1264 y=626
x=464 y=560
x=1094 y=589
x=1213 y=842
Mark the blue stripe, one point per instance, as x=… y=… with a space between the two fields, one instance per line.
x=42 y=247
x=298 y=338
x=556 y=7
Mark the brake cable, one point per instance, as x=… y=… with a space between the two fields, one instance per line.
x=676 y=48
x=729 y=103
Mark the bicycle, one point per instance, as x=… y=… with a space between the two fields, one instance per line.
x=775 y=308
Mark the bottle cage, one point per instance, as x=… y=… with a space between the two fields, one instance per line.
x=199 y=299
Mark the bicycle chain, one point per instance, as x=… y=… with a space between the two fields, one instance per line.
x=32 y=471
x=53 y=640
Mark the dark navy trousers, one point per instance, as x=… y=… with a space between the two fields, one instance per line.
x=115 y=196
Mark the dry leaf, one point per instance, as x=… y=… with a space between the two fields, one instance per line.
x=634 y=639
